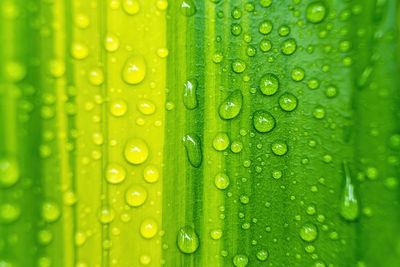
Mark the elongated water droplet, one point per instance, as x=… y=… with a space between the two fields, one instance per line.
x=231 y=106
x=193 y=149
x=189 y=94
x=187 y=240
x=349 y=208
x=134 y=70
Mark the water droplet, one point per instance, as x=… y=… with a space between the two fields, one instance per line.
x=319 y=113
x=240 y=260
x=283 y=30
x=279 y=148
x=115 y=173
x=265 y=27
x=188 y=8
x=236 y=29
x=82 y=21
x=277 y=174
x=265 y=3
x=349 y=208
x=189 y=94
x=263 y=121
x=187 y=240
x=151 y=174
x=57 y=68
x=148 y=228
x=236 y=13
x=9 y=213
x=298 y=74
x=131 y=7
x=221 y=141
x=308 y=232
x=135 y=195
x=269 y=84
x=262 y=255
x=221 y=181
x=106 y=215
x=231 y=106
x=50 y=212
x=289 y=46
x=316 y=12
x=9 y=172
x=111 y=42
x=134 y=70
x=265 y=45
x=79 y=51
x=96 y=76
x=216 y=234
x=118 y=107
x=193 y=149
x=136 y=151
x=236 y=146
x=331 y=92
x=162 y=4
x=238 y=65
x=288 y=102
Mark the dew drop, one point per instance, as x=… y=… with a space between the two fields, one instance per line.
x=9 y=172
x=265 y=45
x=106 y=215
x=262 y=255
x=265 y=3
x=131 y=7
x=221 y=181
x=269 y=84
x=349 y=208
x=308 y=232
x=135 y=195
x=319 y=113
x=148 y=228
x=240 y=260
x=79 y=51
x=216 y=234
x=316 y=12
x=188 y=8
x=151 y=174
x=289 y=46
x=9 y=213
x=231 y=106
x=189 y=94
x=187 y=240
x=134 y=70
x=111 y=42
x=221 y=141
x=118 y=107
x=265 y=27
x=115 y=173
x=263 y=121
x=96 y=76
x=136 y=151
x=288 y=102
x=279 y=148
x=50 y=212
x=193 y=149
x=297 y=74
x=238 y=65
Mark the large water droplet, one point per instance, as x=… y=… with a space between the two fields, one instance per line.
x=189 y=94
x=187 y=240
x=193 y=149
x=349 y=208
x=263 y=121
x=136 y=151
x=134 y=70
x=231 y=106
x=188 y=8
x=316 y=12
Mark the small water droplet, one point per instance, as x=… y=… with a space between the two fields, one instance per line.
x=289 y=46
x=316 y=12
x=279 y=148
x=263 y=121
x=238 y=65
x=134 y=70
x=136 y=151
x=106 y=215
x=115 y=173
x=189 y=94
x=135 y=195
x=216 y=234
x=9 y=213
x=148 y=228
x=308 y=232
x=265 y=27
x=79 y=51
x=131 y=7
x=9 y=172
x=118 y=107
x=221 y=141
x=187 y=240
x=50 y=212
x=269 y=84
x=221 y=181
x=151 y=174
x=231 y=106
x=96 y=76
x=349 y=208
x=298 y=74
x=111 y=42
x=240 y=260
x=193 y=149
x=262 y=255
